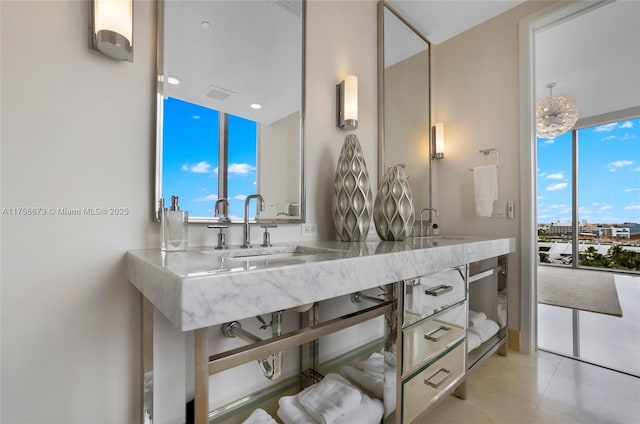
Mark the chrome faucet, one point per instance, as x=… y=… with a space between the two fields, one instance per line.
x=224 y=215
x=246 y=233
x=422 y=232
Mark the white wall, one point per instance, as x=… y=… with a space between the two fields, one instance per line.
x=78 y=131
x=476 y=97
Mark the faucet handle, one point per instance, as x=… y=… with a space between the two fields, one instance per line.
x=266 y=237
x=221 y=236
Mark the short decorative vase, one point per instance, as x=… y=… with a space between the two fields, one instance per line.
x=352 y=198
x=393 y=210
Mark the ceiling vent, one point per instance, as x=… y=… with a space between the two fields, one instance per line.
x=217 y=93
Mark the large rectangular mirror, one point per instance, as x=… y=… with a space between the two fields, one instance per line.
x=230 y=107
x=404 y=111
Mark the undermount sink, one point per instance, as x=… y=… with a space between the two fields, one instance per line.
x=235 y=259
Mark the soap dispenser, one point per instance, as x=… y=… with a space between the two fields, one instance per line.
x=175 y=230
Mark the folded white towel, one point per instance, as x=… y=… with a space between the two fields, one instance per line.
x=291 y=412
x=485 y=330
x=373 y=365
x=485 y=179
x=369 y=411
x=476 y=317
x=473 y=341
x=389 y=400
x=329 y=399
x=259 y=416
x=373 y=385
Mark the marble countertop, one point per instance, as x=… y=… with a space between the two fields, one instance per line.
x=202 y=286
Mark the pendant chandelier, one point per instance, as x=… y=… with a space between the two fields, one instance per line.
x=555 y=115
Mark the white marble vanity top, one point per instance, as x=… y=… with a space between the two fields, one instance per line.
x=203 y=286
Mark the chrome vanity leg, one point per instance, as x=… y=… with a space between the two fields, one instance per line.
x=201 y=377
x=147 y=361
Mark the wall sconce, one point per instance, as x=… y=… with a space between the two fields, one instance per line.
x=437 y=141
x=347 y=103
x=111 y=24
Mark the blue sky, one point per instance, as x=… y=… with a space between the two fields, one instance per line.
x=608 y=174
x=190 y=158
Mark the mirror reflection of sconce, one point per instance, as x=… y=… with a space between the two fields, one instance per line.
x=347 y=103
x=111 y=24
x=437 y=141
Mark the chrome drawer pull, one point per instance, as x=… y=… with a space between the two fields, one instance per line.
x=436 y=384
x=431 y=335
x=438 y=290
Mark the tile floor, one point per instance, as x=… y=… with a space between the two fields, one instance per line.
x=604 y=339
x=541 y=388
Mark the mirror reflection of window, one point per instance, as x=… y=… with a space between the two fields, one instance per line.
x=190 y=159
x=191 y=162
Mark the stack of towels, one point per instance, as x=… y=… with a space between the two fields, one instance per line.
x=369 y=376
x=259 y=416
x=481 y=329
x=332 y=401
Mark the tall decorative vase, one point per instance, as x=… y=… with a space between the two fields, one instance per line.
x=352 y=199
x=393 y=210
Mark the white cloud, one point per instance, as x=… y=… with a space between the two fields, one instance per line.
x=636 y=169
x=202 y=167
x=609 y=137
x=614 y=166
x=240 y=168
x=558 y=186
x=628 y=190
x=606 y=208
x=556 y=176
x=240 y=197
x=627 y=124
x=628 y=136
x=631 y=207
x=606 y=127
x=209 y=198
x=550 y=141
x=558 y=206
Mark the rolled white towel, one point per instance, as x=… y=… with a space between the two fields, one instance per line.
x=473 y=341
x=476 y=318
x=370 y=384
x=259 y=416
x=389 y=399
x=329 y=399
x=485 y=330
x=373 y=365
x=291 y=412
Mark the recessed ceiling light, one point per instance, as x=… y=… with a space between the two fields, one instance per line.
x=205 y=25
x=255 y=106
x=173 y=80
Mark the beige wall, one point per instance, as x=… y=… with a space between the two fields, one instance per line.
x=476 y=97
x=78 y=131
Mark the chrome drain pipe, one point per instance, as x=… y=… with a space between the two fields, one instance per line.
x=271 y=365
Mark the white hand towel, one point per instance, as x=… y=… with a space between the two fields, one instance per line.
x=329 y=399
x=373 y=365
x=485 y=179
x=369 y=411
x=485 y=330
x=372 y=385
x=291 y=412
x=473 y=341
x=259 y=416
x=476 y=318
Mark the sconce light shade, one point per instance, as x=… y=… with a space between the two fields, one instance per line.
x=347 y=103
x=112 y=28
x=437 y=141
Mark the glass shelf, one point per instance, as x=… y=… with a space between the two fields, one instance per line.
x=486 y=348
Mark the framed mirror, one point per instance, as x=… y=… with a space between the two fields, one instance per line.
x=230 y=107
x=404 y=100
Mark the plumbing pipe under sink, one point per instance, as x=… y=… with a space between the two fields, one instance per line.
x=271 y=365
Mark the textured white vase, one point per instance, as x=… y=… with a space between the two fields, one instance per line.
x=393 y=210
x=352 y=198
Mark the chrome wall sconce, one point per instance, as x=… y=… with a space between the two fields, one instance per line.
x=111 y=24
x=437 y=141
x=347 y=103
